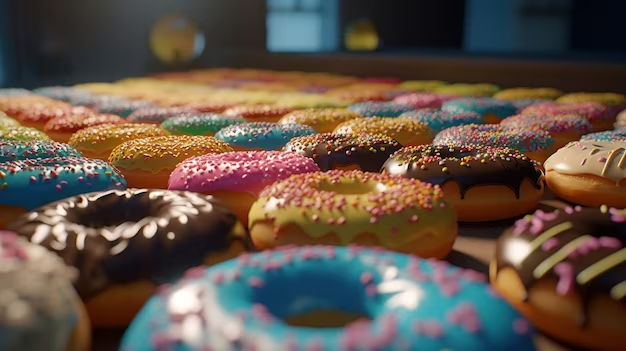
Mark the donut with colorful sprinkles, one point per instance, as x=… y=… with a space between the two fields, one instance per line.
x=22 y=133
x=156 y=115
x=364 y=152
x=598 y=115
x=206 y=124
x=7 y=122
x=482 y=183
x=259 y=113
x=323 y=120
x=566 y=271
x=343 y=207
x=62 y=128
x=562 y=128
x=438 y=120
x=492 y=110
x=535 y=144
x=30 y=183
x=609 y=135
x=40 y=309
x=256 y=136
x=253 y=302
x=613 y=101
x=423 y=100
x=380 y=109
x=406 y=131
x=122 y=108
x=11 y=150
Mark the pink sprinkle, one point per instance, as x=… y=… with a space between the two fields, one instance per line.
x=565 y=271
x=371 y=290
x=609 y=242
x=550 y=244
x=255 y=282
x=602 y=159
x=569 y=210
x=58 y=187
x=521 y=326
x=366 y=278
x=195 y=272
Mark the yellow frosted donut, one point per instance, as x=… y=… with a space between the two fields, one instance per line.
x=343 y=207
x=323 y=120
x=528 y=93
x=406 y=131
x=98 y=141
x=22 y=133
x=148 y=162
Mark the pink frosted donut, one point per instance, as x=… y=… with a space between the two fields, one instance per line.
x=424 y=100
x=598 y=115
x=237 y=178
x=562 y=128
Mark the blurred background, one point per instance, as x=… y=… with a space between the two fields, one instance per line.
x=568 y=44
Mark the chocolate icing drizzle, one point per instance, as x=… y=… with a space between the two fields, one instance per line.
x=117 y=237
x=468 y=166
x=332 y=151
x=582 y=249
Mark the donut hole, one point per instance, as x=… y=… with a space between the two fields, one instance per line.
x=320 y=298
x=348 y=188
x=112 y=216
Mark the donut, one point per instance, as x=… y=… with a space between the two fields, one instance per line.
x=30 y=183
x=492 y=110
x=132 y=240
x=621 y=119
x=98 y=141
x=322 y=120
x=423 y=100
x=208 y=106
x=7 y=122
x=380 y=109
x=148 y=162
x=206 y=124
x=157 y=115
x=237 y=178
x=343 y=207
x=364 y=152
x=598 y=115
x=615 y=102
x=22 y=133
x=421 y=85
x=562 y=128
x=40 y=309
x=464 y=89
x=311 y=298
x=256 y=136
x=521 y=104
x=14 y=92
x=122 y=108
x=535 y=144
x=12 y=150
x=259 y=113
x=405 y=130
x=609 y=135
x=62 y=128
x=356 y=96
x=589 y=172
x=566 y=272
x=480 y=182
x=92 y=99
x=60 y=93
x=528 y=93
x=438 y=120
x=38 y=117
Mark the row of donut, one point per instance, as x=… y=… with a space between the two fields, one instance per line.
x=563 y=270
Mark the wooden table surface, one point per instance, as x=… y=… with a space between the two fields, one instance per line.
x=473 y=249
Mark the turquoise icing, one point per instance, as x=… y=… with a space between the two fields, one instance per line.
x=610 y=135
x=438 y=120
x=482 y=106
x=262 y=135
x=35 y=182
x=380 y=109
x=413 y=304
x=122 y=108
x=11 y=150
x=521 y=104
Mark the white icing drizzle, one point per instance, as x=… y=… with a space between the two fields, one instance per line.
x=37 y=300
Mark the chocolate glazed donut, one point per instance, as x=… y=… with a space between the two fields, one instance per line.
x=363 y=152
x=116 y=238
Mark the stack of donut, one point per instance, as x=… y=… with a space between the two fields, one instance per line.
x=352 y=189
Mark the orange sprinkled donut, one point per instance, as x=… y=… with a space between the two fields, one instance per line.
x=343 y=207
x=38 y=117
x=148 y=162
x=405 y=130
x=323 y=120
x=61 y=128
x=98 y=141
x=259 y=113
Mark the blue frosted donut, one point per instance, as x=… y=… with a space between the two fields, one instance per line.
x=412 y=303
x=262 y=135
x=122 y=108
x=61 y=93
x=12 y=150
x=492 y=110
x=609 y=135
x=380 y=109
x=438 y=120
x=35 y=182
x=521 y=104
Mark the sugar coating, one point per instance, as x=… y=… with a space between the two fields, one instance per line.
x=492 y=134
x=380 y=109
x=238 y=171
x=262 y=135
x=438 y=120
x=414 y=304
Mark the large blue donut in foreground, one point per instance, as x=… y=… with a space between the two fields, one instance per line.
x=414 y=304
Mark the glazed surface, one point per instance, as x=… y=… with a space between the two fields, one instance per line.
x=606 y=159
x=262 y=135
x=20 y=150
x=413 y=304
